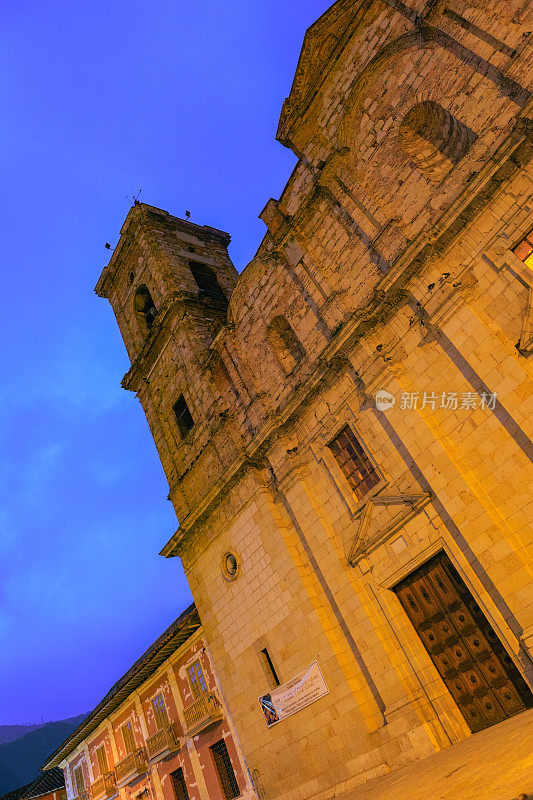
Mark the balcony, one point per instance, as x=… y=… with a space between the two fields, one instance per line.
x=104 y=786
x=202 y=713
x=164 y=741
x=132 y=766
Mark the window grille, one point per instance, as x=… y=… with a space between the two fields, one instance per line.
x=127 y=737
x=160 y=712
x=180 y=787
x=354 y=462
x=224 y=768
x=102 y=760
x=78 y=781
x=197 y=679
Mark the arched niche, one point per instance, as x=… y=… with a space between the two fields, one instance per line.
x=144 y=307
x=353 y=108
x=433 y=139
x=426 y=37
x=285 y=344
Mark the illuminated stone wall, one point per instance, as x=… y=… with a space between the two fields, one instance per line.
x=388 y=266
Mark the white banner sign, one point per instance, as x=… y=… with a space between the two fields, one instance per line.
x=291 y=697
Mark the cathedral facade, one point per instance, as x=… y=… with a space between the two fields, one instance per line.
x=345 y=426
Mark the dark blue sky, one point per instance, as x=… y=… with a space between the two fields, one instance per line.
x=100 y=98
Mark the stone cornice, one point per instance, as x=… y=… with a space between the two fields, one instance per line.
x=175 y=307
x=303 y=91
x=455 y=216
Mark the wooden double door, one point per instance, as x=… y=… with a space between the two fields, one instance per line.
x=479 y=673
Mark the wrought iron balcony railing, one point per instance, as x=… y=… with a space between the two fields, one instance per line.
x=164 y=741
x=202 y=713
x=104 y=786
x=133 y=765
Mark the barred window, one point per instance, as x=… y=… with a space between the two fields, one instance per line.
x=197 y=679
x=354 y=462
x=179 y=785
x=524 y=250
x=160 y=712
x=224 y=768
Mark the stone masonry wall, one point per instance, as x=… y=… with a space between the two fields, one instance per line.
x=388 y=266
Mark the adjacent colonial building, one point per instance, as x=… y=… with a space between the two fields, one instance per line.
x=162 y=731
x=345 y=426
x=50 y=785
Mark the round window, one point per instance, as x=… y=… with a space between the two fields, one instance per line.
x=230 y=566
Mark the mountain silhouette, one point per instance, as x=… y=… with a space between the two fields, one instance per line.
x=22 y=758
x=8 y=733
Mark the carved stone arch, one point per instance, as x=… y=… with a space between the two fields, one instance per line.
x=426 y=35
x=354 y=104
x=433 y=139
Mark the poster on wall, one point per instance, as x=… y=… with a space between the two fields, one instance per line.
x=291 y=697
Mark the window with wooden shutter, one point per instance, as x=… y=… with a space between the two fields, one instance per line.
x=102 y=760
x=207 y=282
x=358 y=469
x=197 y=679
x=128 y=738
x=179 y=785
x=224 y=769
x=160 y=712
x=78 y=781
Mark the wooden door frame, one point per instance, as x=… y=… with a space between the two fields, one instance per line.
x=509 y=640
x=416 y=565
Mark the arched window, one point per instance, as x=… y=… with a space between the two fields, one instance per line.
x=207 y=282
x=433 y=139
x=144 y=307
x=285 y=344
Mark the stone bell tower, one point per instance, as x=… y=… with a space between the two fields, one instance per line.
x=169 y=282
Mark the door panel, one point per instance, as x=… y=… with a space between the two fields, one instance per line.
x=479 y=673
